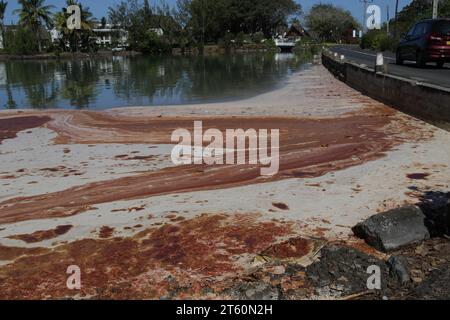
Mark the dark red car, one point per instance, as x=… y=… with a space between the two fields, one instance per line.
x=427 y=41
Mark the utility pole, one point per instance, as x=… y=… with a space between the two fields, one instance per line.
x=366 y=5
x=435 y=9
x=388 y=21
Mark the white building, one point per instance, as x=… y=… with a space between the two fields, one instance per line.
x=1 y=41
x=158 y=31
x=2 y=74
x=55 y=35
x=106 y=35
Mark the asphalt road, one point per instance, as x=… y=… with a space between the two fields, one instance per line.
x=429 y=74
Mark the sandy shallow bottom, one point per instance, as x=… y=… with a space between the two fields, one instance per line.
x=99 y=190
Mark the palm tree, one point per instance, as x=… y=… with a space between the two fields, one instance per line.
x=34 y=14
x=75 y=36
x=3 y=5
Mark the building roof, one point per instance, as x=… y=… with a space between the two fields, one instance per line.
x=297 y=30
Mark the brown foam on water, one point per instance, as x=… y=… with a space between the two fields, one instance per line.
x=308 y=148
x=418 y=176
x=9 y=127
x=42 y=235
x=197 y=253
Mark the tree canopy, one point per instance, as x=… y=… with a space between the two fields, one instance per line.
x=204 y=20
x=75 y=38
x=420 y=10
x=330 y=23
x=34 y=14
x=213 y=19
x=3 y=5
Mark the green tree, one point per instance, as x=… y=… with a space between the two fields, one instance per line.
x=416 y=11
x=147 y=12
x=182 y=13
x=164 y=19
x=139 y=20
x=34 y=14
x=201 y=21
x=20 y=41
x=211 y=20
x=76 y=38
x=419 y=10
x=330 y=23
x=130 y=16
x=3 y=5
x=103 y=22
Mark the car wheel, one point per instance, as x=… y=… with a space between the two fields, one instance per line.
x=421 y=60
x=398 y=59
x=440 y=64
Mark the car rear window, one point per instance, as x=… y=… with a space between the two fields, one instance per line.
x=442 y=27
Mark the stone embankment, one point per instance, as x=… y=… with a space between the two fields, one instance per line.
x=426 y=101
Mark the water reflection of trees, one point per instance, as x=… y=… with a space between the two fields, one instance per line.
x=35 y=79
x=149 y=77
x=162 y=80
x=196 y=79
x=44 y=83
x=235 y=76
x=79 y=84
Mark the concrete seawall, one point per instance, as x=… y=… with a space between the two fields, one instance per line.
x=422 y=100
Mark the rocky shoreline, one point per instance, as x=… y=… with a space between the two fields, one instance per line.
x=412 y=269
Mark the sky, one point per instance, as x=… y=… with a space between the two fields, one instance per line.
x=100 y=7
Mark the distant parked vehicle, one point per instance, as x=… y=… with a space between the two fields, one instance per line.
x=118 y=49
x=427 y=41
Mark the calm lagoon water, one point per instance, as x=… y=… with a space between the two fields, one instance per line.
x=141 y=81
